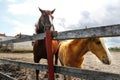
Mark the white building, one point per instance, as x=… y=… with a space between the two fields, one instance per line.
x=2 y=36
x=21 y=46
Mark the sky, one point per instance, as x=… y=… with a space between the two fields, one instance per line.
x=20 y=16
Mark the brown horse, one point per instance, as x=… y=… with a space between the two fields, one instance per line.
x=71 y=52
x=39 y=48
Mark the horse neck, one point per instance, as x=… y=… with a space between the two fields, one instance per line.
x=81 y=46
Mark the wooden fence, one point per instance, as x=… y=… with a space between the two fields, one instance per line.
x=102 y=31
x=5 y=77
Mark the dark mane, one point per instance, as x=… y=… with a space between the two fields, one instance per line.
x=38 y=27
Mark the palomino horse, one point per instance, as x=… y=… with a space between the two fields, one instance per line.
x=71 y=52
x=39 y=47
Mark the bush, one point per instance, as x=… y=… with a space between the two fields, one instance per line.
x=4 y=49
x=114 y=48
x=22 y=51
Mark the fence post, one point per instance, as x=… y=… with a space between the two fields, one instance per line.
x=49 y=55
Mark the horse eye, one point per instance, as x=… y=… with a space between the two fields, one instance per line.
x=98 y=42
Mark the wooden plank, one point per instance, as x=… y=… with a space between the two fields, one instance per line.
x=28 y=38
x=86 y=74
x=37 y=66
x=75 y=72
x=6 y=77
x=102 y=31
x=48 y=40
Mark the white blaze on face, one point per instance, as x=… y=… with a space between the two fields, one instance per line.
x=51 y=22
x=50 y=19
x=107 y=51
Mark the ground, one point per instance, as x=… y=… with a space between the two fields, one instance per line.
x=91 y=62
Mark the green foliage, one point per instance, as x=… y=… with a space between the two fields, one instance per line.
x=115 y=49
x=22 y=51
x=4 y=49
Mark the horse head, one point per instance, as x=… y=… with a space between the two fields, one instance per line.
x=97 y=46
x=45 y=22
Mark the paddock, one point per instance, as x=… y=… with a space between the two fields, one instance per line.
x=102 y=31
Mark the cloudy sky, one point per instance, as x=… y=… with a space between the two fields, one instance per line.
x=20 y=16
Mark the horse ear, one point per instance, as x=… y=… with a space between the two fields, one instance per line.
x=40 y=10
x=52 y=11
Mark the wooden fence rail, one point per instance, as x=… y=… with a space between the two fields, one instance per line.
x=6 y=77
x=28 y=38
x=75 y=72
x=103 y=31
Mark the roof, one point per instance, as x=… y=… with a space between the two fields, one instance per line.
x=2 y=35
x=20 y=35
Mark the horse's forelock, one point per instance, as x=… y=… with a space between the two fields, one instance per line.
x=37 y=26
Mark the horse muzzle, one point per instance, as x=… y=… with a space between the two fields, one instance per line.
x=49 y=27
x=106 y=61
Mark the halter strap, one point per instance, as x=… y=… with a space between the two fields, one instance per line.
x=46 y=25
x=43 y=28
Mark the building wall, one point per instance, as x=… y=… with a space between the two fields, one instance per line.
x=23 y=46
x=1 y=38
x=8 y=46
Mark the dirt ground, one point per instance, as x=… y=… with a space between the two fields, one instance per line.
x=91 y=62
